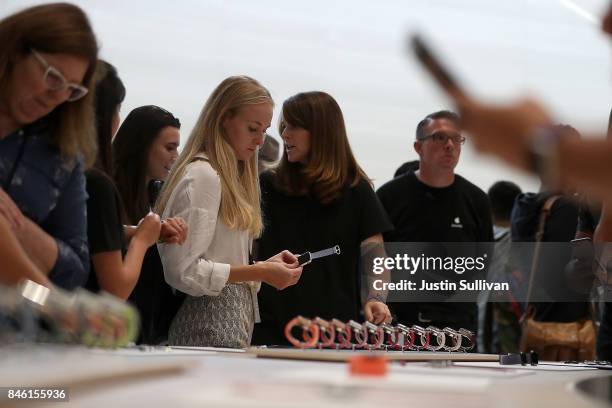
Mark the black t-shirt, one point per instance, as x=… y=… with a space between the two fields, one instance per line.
x=421 y=213
x=104 y=226
x=329 y=287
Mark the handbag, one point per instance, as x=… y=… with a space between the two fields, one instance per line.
x=551 y=340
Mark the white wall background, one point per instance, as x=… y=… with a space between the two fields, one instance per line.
x=174 y=53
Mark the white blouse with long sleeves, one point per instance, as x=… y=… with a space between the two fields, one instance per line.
x=201 y=266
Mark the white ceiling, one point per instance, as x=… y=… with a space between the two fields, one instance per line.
x=174 y=53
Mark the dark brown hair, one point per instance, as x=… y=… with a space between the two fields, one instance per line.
x=110 y=93
x=331 y=166
x=130 y=154
x=57 y=28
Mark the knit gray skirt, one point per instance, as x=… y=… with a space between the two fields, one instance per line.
x=225 y=320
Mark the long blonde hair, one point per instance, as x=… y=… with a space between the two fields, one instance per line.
x=240 y=206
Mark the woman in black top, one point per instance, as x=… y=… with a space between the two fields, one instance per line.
x=144 y=150
x=115 y=265
x=317 y=197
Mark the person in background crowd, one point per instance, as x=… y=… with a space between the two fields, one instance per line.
x=498 y=319
x=550 y=279
x=433 y=204
x=409 y=166
x=267 y=154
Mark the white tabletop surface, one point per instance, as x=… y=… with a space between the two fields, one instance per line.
x=164 y=377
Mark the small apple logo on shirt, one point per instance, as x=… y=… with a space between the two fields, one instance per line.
x=457 y=223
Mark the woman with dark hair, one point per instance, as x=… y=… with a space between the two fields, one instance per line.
x=116 y=267
x=48 y=59
x=144 y=150
x=318 y=197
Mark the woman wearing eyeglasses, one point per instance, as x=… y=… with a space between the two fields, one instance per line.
x=214 y=187
x=318 y=197
x=47 y=62
x=144 y=150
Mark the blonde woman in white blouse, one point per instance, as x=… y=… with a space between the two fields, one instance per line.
x=214 y=187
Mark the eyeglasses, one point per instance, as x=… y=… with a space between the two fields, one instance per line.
x=442 y=138
x=56 y=82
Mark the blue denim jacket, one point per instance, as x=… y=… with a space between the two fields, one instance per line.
x=50 y=190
